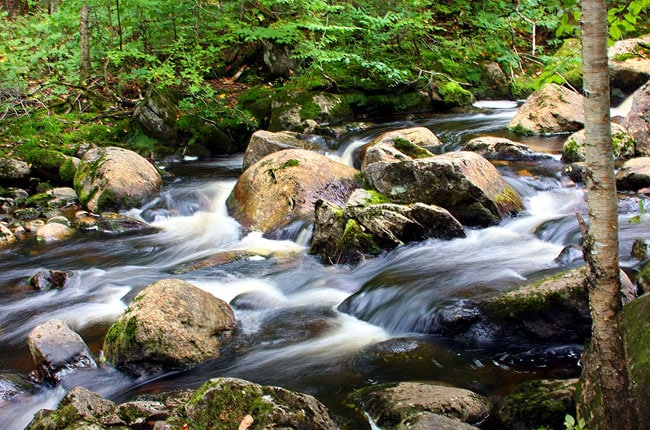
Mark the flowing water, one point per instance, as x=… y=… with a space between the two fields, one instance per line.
x=290 y=330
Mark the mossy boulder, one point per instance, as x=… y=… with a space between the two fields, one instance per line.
x=171 y=324
x=464 y=183
x=156 y=114
x=111 y=179
x=623 y=145
x=541 y=403
x=304 y=112
x=391 y=405
x=79 y=409
x=634 y=174
x=369 y=224
x=635 y=325
x=223 y=402
x=284 y=187
x=451 y=94
x=550 y=110
x=46 y=163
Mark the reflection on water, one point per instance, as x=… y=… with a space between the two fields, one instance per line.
x=290 y=330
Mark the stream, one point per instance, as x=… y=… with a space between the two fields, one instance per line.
x=290 y=332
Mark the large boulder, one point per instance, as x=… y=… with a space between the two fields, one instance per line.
x=637 y=121
x=263 y=143
x=550 y=110
x=110 y=179
x=623 y=145
x=464 y=183
x=398 y=145
x=223 y=402
x=500 y=148
x=634 y=174
x=393 y=404
x=369 y=224
x=171 y=324
x=284 y=186
x=57 y=350
x=629 y=65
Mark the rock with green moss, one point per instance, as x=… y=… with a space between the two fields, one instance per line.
x=500 y=148
x=541 y=403
x=112 y=179
x=79 y=409
x=369 y=224
x=304 y=112
x=634 y=174
x=451 y=94
x=113 y=223
x=156 y=114
x=222 y=403
x=171 y=324
x=464 y=183
x=392 y=405
x=398 y=145
x=550 y=110
x=46 y=163
x=284 y=187
x=67 y=170
x=635 y=325
x=623 y=145
x=637 y=121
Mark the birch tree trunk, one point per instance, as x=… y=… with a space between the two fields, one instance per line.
x=606 y=402
x=84 y=43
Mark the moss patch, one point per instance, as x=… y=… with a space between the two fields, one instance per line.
x=411 y=149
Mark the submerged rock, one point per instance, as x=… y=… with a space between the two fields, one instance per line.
x=57 y=350
x=110 y=179
x=550 y=110
x=464 y=183
x=284 y=187
x=393 y=405
x=45 y=280
x=499 y=148
x=171 y=324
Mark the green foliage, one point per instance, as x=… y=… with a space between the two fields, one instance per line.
x=570 y=423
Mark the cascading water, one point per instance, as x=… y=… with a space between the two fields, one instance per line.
x=292 y=331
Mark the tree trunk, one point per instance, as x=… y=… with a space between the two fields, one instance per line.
x=613 y=408
x=84 y=43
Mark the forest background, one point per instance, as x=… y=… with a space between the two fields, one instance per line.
x=226 y=62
